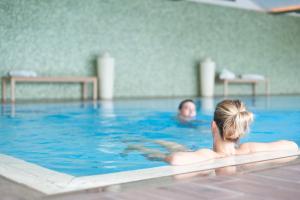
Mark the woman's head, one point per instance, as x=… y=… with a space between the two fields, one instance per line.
x=232 y=119
x=187 y=108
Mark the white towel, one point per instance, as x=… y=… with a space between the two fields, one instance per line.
x=23 y=73
x=226 y=74
x=253 y=76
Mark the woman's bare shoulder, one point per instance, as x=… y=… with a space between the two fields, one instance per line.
x=252 y=147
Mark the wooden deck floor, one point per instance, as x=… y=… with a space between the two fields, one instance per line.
x=277 y=179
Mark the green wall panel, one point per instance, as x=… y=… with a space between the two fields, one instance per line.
x=157 y=45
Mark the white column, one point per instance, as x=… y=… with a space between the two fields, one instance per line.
x=106 y=70
x=207 y=76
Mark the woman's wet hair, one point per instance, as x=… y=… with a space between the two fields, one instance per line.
x=232 y=119
x=183 y=102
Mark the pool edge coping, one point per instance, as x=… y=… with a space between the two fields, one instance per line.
x=51 y=182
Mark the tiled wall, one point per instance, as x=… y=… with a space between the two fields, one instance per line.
x=157 y=44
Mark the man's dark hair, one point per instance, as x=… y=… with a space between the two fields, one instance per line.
x=183 y=102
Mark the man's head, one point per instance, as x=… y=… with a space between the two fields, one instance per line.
x=187 y=108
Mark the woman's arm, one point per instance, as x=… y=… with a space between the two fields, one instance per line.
x=184 y=158
x=172 y=147
x=253 y=147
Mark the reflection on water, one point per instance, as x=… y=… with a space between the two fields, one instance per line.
x=106 y=108
x=207 y=105
x=242 y=168
x=8 y=110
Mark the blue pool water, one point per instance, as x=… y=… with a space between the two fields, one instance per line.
x=90 y=138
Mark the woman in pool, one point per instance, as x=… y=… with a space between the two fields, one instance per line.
x=231 y=122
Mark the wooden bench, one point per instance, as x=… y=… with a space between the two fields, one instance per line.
x=253 y=82
x=83 y=80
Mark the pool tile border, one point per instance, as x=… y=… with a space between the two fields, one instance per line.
x=51 y=182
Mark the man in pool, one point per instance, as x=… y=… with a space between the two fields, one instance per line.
x=231 y=121
x=187 y=110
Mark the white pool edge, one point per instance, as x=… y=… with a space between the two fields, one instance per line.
x=51 y=182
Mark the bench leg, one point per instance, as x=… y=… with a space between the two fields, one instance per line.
x=12 y=90
x=95 y=90
x=84 y=90
x=225 y=88
x=3 y=90
x=253 y=89
x=267 y=88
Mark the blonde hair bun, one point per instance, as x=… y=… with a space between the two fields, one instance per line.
x=232 y=119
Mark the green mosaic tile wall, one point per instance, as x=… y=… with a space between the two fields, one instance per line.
x=157 y=44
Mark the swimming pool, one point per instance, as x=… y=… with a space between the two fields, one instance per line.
x=82 y=139
x=89 y=138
